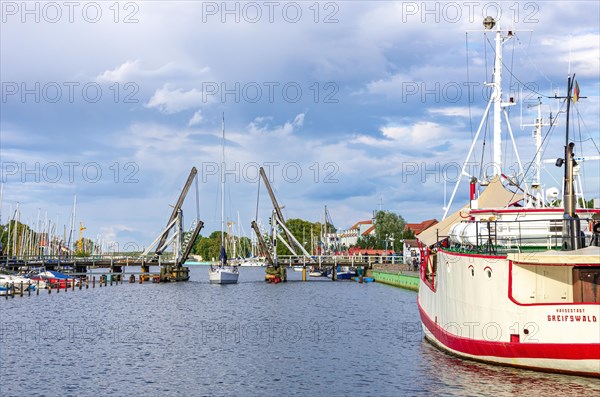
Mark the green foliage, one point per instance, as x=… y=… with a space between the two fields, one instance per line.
x=369 y=241
x=87 y=246
x=14 y=231
x=388 y=225
x=302 y=230
x=588 y=203
x=209 y=248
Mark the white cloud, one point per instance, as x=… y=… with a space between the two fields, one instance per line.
x=425 y=133
x=582 y=52
x=110 y=233
x=458 y=111
x=125 y=72
x=133 y=71
x=196 y=118
x=173 y=101
x=393 y=86
x=260 y=126
x=422 y=135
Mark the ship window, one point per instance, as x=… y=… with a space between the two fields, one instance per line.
x=488 y=271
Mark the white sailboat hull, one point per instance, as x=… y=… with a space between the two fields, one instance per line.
x=223 y=275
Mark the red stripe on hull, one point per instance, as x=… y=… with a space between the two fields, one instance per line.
x=475 y=347
x=531 y=210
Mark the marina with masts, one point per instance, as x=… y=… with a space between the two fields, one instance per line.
x=510 y=279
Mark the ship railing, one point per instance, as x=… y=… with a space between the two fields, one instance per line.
x=503 y=236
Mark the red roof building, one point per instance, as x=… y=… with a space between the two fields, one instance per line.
x=419 y=227
x=370 y=230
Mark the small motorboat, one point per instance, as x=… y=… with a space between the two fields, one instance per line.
x=16 y=282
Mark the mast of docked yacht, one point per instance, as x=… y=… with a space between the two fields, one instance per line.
x=223 y=253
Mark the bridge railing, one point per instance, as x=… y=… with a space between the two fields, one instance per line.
x=58 y=259
x=343 y=260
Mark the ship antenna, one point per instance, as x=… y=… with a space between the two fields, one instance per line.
x=571 y=222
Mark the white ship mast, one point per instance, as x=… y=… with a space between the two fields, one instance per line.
x=488 y=23
x=499 y=108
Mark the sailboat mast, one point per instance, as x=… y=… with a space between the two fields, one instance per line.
x=223 y=183
x=325 y=233
x=1 y=196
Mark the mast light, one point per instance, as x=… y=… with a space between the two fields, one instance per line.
x=489 y=23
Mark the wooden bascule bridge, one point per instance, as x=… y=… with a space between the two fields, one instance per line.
x=171 y=263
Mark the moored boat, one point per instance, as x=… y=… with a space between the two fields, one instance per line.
x=17 y=283
x=508 y=282
x=223 y=273
x=51 y=278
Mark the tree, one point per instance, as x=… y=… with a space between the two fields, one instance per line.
x=588 y=203
x=301 y=230
x=208 y=247
x=368 y=241
x=389 y=225
x=87 y=246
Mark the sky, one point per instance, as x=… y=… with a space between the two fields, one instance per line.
x=357 y=105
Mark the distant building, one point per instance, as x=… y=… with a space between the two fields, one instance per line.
x=417 y=228
x=350 y=236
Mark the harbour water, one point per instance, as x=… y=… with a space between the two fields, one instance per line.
x=251 y=339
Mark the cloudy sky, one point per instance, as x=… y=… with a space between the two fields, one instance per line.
x=349 y=104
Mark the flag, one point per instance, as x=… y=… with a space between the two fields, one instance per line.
x=576 y=92
x=223 y=256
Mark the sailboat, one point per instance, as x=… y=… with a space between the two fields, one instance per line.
x=515 y=284
x=223 y=273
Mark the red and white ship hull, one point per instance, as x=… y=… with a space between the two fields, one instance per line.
x=520 y=310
